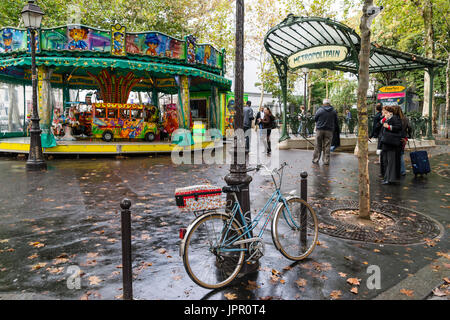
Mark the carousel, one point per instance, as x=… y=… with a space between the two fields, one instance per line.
x=112 y=91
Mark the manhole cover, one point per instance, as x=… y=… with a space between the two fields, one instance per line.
x=408 y=226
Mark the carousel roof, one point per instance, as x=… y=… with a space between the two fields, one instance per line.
x=75 y=50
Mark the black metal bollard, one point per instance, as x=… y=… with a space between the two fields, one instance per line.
x=127 y=276
x=303 y=213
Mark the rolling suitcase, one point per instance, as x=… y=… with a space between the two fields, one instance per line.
x=420 y=162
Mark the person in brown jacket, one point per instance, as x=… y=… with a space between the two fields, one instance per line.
x=268 y=123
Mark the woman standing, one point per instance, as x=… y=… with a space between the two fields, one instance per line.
x=391 y=134
x=267 y=123
x=406 y=134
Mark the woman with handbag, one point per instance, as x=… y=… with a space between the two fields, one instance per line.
x=268 y=123
x=391 y=146
x=406 y=134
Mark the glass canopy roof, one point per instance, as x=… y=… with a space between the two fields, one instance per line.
x=303 y=42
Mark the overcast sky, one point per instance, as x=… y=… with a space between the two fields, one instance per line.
x=251 y=66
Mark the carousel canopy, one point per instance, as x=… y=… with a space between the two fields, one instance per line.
x=315 y=42
x=74 y=51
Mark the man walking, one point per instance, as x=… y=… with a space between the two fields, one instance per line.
x=326 y=119
x=248 y=118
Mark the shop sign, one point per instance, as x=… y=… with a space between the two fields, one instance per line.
x=321 y=54
x=389 y=89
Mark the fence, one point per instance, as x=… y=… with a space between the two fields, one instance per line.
x=306 y=125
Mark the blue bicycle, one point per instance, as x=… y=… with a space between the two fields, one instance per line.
x=217 y=244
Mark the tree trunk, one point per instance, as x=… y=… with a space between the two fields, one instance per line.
x=427 y=15
x=363 y=128
x=447 y=96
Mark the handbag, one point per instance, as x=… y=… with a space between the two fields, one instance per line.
x=391 y=138
x=274 y=123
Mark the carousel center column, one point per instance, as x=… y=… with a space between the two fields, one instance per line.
x=45 y=99
x=184 y=111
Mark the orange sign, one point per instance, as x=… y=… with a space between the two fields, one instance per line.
x=118 y=105
x=392 y=89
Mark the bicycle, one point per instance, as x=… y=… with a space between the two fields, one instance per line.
x=216 y=244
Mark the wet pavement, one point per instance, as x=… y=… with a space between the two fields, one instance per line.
x=67 y=219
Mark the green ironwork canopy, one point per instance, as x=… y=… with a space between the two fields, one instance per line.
x=296 y=35
x=315 y=43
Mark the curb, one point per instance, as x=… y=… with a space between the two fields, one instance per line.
x=420 y=285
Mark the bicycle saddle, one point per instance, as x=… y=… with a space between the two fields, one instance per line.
x=235 y=189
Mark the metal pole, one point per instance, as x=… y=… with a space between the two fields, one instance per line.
x=35 y=160
x=304 y=94
x=238 y=175
x=430 y=106
x=127 y=276
x=303 y=213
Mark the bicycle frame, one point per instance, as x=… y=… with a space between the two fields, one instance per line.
x=276 y=198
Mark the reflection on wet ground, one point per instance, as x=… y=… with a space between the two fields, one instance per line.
x=69 y=216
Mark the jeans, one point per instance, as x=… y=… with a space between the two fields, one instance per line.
x=402 y=164
x=248 y=134
x=300 y=128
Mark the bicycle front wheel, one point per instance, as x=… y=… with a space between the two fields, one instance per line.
x=295 y=229
x=210 y=261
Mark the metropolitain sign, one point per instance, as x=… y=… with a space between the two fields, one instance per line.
x=321 y=54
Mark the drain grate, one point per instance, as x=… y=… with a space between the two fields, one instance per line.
x=409 y=226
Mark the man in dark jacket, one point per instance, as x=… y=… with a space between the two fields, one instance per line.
x=376 y=128
x=326 y=118
x=248 y=118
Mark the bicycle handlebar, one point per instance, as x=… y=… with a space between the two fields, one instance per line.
x=261 y=166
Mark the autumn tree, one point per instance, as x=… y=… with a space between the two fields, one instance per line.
x=363 y=128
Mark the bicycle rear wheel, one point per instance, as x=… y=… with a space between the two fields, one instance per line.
x=207 y=262
x=295 y=229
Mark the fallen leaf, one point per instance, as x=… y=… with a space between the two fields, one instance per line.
x=33 y=256
x=335 y=294
x=55 y=270
x=252 y=285
x=354 y=290
x=343 y=275
x=230 y=296
x=438 y=293
x=408 y=293
x=38 y=266
x=60 y=260
x=36 y=244
x=94 y=280
x=354 y=281
x=301 y=282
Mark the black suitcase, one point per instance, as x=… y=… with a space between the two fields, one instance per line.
x=420 y=162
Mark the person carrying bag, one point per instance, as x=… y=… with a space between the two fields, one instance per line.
x=391 y=145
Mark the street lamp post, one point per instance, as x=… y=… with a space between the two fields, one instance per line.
x=32 y=18
x=238 y=174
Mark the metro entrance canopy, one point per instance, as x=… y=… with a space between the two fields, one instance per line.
x=316 y=43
